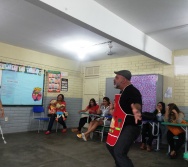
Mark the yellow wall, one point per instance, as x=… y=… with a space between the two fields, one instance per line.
x=144 y=65
x=21 y=56
x=137 y=65
x=181 y=82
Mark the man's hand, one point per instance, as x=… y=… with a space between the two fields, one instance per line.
x=136 y=108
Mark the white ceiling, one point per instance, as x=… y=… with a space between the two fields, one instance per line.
x=29 y=26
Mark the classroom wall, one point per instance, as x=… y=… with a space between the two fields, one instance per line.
x=143 y=65
x=19 y=117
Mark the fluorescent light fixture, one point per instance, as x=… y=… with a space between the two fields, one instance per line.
x=76 y=45
x=81 y=48
x=81 y=53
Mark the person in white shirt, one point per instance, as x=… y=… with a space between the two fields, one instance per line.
x=104 y=110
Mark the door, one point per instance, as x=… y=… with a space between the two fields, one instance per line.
x=90 y=90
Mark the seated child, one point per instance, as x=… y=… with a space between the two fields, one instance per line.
x=52 y=107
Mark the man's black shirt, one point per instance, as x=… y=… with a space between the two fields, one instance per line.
x=129 y=96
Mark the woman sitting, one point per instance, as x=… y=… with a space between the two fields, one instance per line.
x=91 y=109
x=104 y=111
x=147 y=128
x=174 y=115
x=58 y=106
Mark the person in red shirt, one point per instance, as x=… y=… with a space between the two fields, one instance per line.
x=60 y=107
x=91 y=109
x=103 y=111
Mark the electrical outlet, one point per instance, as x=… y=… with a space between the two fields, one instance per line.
x=6 y=118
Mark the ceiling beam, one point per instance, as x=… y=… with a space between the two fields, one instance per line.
x=91 y=15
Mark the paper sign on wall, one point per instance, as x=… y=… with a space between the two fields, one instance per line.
x=168 y=93
x=64 y=84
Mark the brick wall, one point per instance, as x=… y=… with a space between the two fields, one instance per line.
x=20 y=118
x=143 y=65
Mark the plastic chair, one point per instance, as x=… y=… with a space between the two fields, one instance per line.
x=103 y=128
x=155 y=132
x=39 y=111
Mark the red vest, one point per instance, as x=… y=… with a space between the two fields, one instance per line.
x=117 y=122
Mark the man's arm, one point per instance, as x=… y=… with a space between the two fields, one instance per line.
x=1 y=110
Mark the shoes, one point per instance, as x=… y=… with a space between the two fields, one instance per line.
x=142 y=147
x=47 y=132
x=83 y=137
x=172 y=155
x=79 y=136
x=64 y=131
x=148 y=148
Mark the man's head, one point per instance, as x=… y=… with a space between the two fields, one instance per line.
x=125 y=73
x=122 y=79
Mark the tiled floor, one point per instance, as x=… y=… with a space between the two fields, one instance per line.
x=31 y=149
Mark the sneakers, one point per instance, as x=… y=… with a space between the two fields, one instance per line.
x=83 y=137
x=64 y=131
x=47 y=132
x=79 y=136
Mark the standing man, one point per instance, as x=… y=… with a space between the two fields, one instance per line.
x=125 y=125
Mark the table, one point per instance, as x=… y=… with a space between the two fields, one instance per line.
x=99 y=129
x=96 y=115
x=183 y=126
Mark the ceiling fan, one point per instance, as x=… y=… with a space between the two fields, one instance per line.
x=110 y=48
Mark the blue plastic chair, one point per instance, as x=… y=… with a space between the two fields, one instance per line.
x=39 y=111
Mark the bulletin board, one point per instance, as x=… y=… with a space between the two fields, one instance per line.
x=149 y=85
x=21 y=85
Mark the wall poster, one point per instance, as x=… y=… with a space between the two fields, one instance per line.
x=64 y=84
x=54 y=81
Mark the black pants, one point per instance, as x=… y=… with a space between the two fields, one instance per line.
x=82 y=122
x=120 y=150
x=175 y=144
x=147 y=132
x=52 y=119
